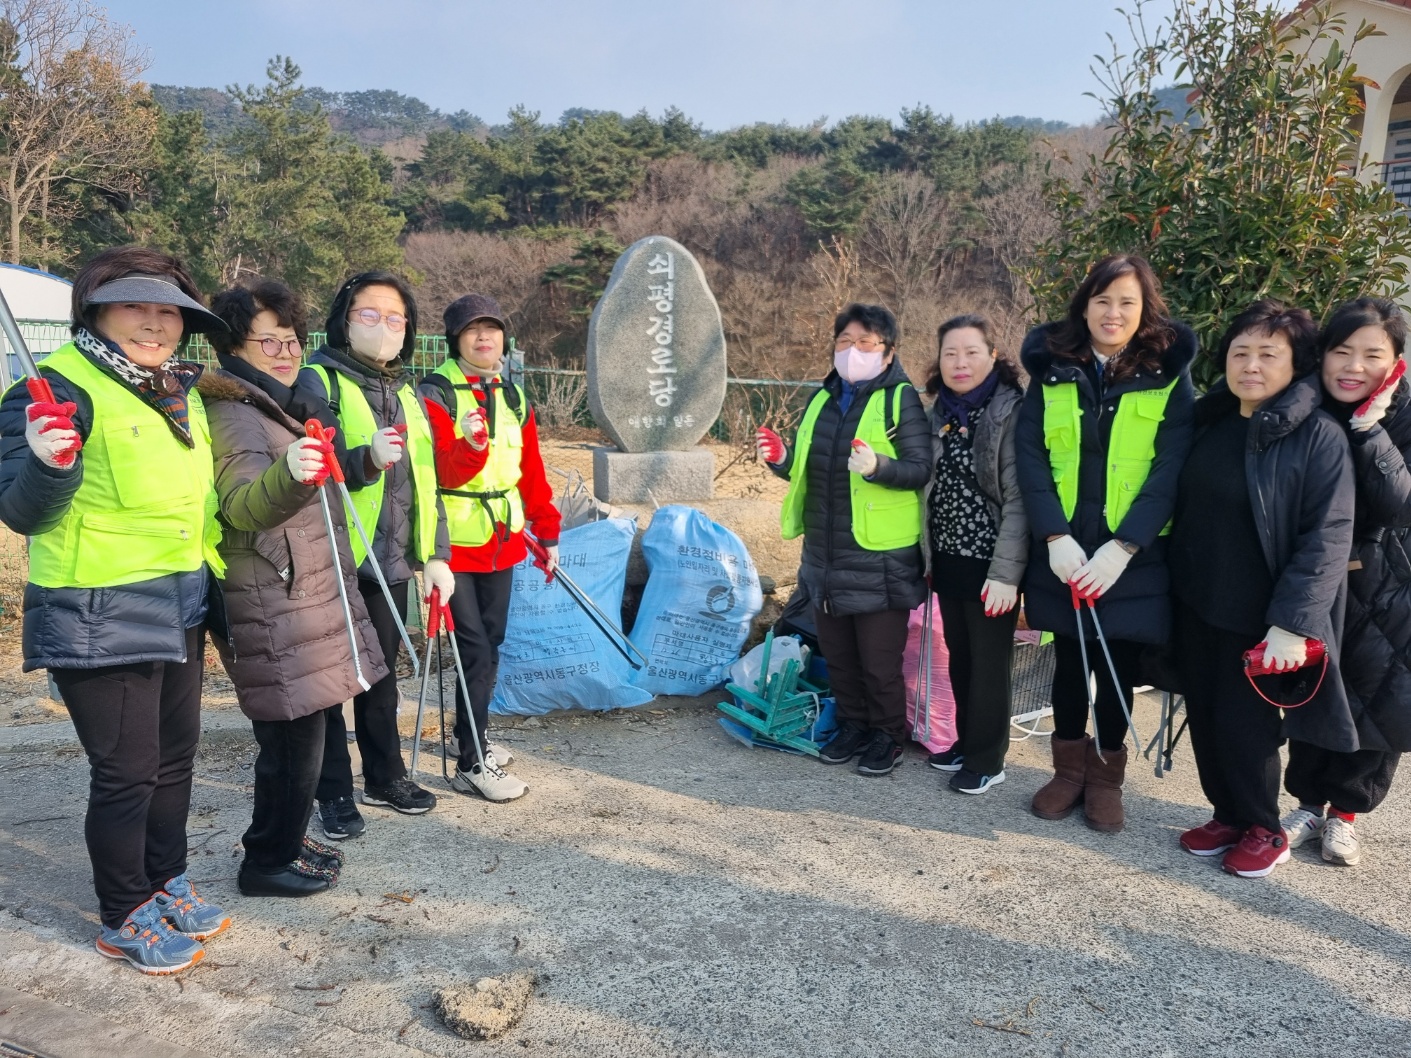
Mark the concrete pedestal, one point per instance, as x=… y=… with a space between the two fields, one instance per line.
x=643 y=477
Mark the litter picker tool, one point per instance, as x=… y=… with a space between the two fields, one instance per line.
x=1091 y=600
x=1164 y=743
x=1087 y=680
x=39 y=389
x=449 y=624
x=315 y=429
x=921 y=729
x=438 y=613
x=338 y=561
x=616 y=636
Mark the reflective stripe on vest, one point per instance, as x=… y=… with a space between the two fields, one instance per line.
x=492 y=496
x=359 y=425
x=883 y=519
x=1131 y=448
x=147 y=505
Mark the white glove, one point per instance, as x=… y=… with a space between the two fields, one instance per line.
x=1370 y=412
x=999 y=598
x=1102 y=570
x=477 y=434
x=388 y=446
x=1284 y=651
x=50 y=434
x=1066 y=557
x=437 y=574
x=862 y=460
x=307 y=460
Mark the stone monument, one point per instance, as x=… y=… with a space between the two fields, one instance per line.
x=656 y=376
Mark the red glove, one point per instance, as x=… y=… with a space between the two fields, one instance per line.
x=51 y=435
x=770 y=445
x=474 y=428
x=1371 y=410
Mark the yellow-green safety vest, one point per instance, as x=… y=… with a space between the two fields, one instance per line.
x=1131 y=448
x=492 y=495
x=883 y=519
x=359 y=425
x=147 y=505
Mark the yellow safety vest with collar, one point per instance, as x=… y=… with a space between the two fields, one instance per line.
x=359 y=425
x=1131 y=447
x=492 y=496
x=147 y=505
x=883 y=519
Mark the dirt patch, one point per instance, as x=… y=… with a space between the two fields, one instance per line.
x=487 y=1009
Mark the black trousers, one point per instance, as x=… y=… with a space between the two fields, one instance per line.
x=1350 y=782
x=981 y=659
x=286 y=774
x=1235 y=734
x=374 y=711
x=1070 y=688
x=481 y=609
x=139 y=725
x=864 y=652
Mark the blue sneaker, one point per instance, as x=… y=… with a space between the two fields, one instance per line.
x=188 y=914
x=146 y=941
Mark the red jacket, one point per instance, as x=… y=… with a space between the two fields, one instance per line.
x=457 y=463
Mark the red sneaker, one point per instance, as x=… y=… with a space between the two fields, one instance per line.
x=1258 y=853
x=1211 y=839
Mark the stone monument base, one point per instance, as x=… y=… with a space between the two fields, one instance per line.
x=643 y=477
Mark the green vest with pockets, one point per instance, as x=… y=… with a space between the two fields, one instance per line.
x=359 y=425
x=883 y=519
x=492 y=495
x=147 y=505
x=1130 y=451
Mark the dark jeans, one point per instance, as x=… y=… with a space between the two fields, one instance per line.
x=1235 y=734
x=981 y=662
x=1350 y=782
x=864 y=652
x=1070 y=689
x=374 y=711
x=139 y=725
x=286 y=773
x=481 y=609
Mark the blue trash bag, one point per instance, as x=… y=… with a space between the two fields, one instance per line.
x=702 y=593
x=554 y=656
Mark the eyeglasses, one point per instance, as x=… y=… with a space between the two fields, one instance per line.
x=272 y=346
x=866 y=345
x=371 y=318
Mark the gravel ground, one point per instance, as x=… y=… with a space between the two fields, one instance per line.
x=678 y=894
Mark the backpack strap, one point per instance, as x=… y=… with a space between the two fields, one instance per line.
x=333 y=391
x=891 y=410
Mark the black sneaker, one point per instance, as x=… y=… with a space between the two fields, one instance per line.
x=972 y=782
x=403 y=795
x=847 y=743
x=881 y=756
x=947 y=759
x=340 y=818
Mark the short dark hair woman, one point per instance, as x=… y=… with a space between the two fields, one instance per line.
x=1103 y=432
x=1259 y=550
x=860 y=458
x=284 y=639
x=1363 y=346
x=113 y=485
x=976 y=541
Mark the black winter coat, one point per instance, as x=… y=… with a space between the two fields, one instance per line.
x=1376 y=641
x=1138 y=607
x=841 y=576
x=1300 y=481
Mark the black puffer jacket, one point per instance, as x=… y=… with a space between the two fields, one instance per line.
x=1376 y=642
x=1300 y=482
x=1138 y=607
x=840 y=575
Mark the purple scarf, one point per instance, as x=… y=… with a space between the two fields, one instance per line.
x=963 y=405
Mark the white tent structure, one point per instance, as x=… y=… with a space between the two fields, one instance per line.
x=41 y=304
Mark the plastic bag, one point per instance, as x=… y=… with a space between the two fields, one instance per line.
x=746 y=671
x=554 y=656
x=702 y=593
x=941 y=734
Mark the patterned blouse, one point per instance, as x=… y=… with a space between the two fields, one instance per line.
x=959 y=517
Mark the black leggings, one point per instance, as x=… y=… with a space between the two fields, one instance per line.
x=981 y=662
x=139 y=725
x=286 y=772
x=1350 y=782
x=481 y=609
x=1070 y=689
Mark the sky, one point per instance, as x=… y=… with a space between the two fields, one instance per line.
x=724 y=62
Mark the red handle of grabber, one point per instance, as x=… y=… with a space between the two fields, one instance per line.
x=433 y=621
x=315 y=429
x=39 y=390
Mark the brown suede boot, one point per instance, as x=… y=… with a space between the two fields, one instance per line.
x=1102 y=789
x=1058 y=798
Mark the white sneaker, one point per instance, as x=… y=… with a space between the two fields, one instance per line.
x=492 y=783
x=1340 y=843
x=501 y=753
x=1302 y=826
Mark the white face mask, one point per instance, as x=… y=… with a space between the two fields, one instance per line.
x=856 y=366
x=375 y=343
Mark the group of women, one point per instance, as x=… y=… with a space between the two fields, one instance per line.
x=162 y=501
x=1246 y=549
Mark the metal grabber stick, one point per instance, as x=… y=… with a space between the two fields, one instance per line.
x=1087 y=679
x=316 y=430
x=450 y=627
x=433 y=629
x=332 y=462
x=919 y=732
x=1112 y=668
x=39 y=389
x=616 y=636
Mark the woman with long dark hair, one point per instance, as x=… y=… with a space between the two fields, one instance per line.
x=976 y=541
x=1103 y=433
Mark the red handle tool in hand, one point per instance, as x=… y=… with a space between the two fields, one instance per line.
x=541 y=556
x=319 y=432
